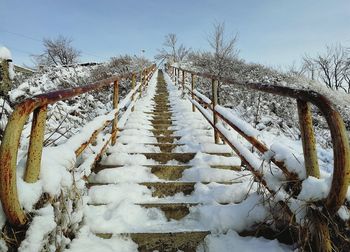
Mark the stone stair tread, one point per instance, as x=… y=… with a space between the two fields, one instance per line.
x=166 y=183
x=163 y=122
x=186 y=240
x=158 y=113
x=170 y=172
x=180 y=166
x=173 y=241
x=167 y=188
x=154 y=232
x=225 y=154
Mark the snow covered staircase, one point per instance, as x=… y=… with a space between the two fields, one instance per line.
x=150 y=183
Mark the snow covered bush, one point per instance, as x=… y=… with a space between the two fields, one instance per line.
x=266 y=111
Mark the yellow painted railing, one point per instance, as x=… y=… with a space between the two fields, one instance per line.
x=304 y=99
x=38 y=106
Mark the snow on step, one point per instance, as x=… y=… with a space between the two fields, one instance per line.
x=167 y=186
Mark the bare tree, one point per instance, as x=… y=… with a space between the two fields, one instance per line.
x=309 y=67
x=225 y=52
x=332 y=67
x=224 y=49
x=347 y=76
x=170 y=42
x=172 y=52
x=58 y=51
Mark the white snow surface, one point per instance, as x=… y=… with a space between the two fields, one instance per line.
x=5 y=53
x=218 y=206
x=38 y=231
x=121 y=211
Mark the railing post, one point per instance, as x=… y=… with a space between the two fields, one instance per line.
x=192 y=90
x=177 y=76
x=145 y=80
x=183 y=81
x=319 y=229
x=140 y=88
x=115 y=106
x=214 y=90
x=35 y=150
x=133 y=81
x=308 y=139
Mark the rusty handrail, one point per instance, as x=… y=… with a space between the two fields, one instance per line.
x=260 y=146
x=319 y=227
x=10 y=142
x=341 y=149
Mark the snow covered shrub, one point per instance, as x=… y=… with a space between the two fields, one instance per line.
x=265 y=111
x=60 y=199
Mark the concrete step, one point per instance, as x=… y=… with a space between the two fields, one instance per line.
x=164 y=242
x=174 y=172
x=175 y=211
x=161 y=117
x=170 y=188
x=166 y=157
x=161 y=121
x=167 y=139
x=164 y=189
x=161 y=110
x=161 y=126
x=184 y=157
x=168 y=172
x=166 y=147
x=158 y=113
x=160 y=132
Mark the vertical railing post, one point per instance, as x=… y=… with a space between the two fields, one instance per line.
x=319 y=227
x=140 y=88
x=183 y=81
x=35 y=150
x=177 y=76
x=145 y=81
x=115 y=106
x=192 y=91
x=214 y=90
x=308 y=139
x=133 y=81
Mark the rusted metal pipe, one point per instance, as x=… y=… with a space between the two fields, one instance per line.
x=214 y=99
x=183 y=81
x=33 y=165
x=133 y=81
x=341 y=149
x=192 y=91
x=308 y=139
x=115 y=106
x=8 y=155
x=10 y=143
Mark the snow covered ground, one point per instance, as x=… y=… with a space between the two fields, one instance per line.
x=224 y=209
x=120 y=212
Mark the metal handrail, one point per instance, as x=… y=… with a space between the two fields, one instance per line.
x=38 y=106
x=341 y=149
x=321 y=238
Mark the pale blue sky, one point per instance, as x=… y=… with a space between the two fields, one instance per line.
x=272 y=32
